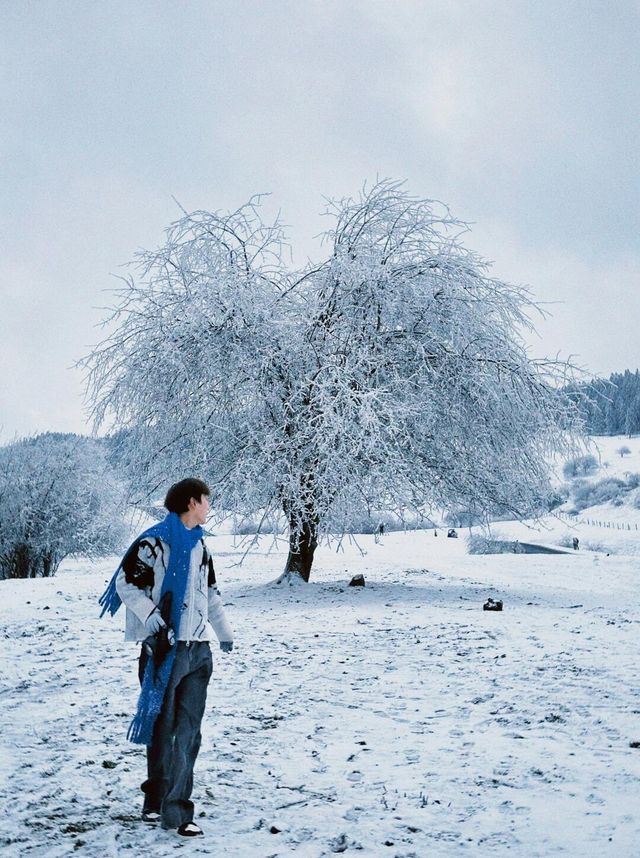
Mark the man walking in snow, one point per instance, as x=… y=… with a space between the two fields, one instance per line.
x=168 y=584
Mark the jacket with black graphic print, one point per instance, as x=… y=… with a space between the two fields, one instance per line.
x=139 y=584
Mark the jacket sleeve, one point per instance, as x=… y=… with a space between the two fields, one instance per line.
x=217 y=616
x=135 y=580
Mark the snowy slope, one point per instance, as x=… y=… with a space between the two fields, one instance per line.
x=612 y=464
x=395 y=720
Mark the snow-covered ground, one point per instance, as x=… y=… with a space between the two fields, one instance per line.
x=395 y=720
x=611 y=462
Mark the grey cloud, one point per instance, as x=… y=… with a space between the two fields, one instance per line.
x=523 y=117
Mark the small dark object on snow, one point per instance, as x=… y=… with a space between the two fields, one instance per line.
x=634 y=744
x=553 y=718
x=491 y=605
x=108 y=764
x=357 y=581
x=452 y=533
x=274 y=830
x=339 y=844
x=576 y=543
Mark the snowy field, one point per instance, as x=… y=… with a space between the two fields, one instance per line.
x=395 y=720
x=611 y=462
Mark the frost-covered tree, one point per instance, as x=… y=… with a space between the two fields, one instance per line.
x=57 y=497
x=609 y=406
x=391 y=375
x=581 y=466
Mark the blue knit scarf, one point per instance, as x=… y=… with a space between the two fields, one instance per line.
x=181 y=542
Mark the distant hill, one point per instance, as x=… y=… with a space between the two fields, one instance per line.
x=606 y=479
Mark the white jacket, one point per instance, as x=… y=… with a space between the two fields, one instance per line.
x=139 y=585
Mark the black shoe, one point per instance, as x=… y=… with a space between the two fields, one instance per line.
x=151 y=816
x=189 y=829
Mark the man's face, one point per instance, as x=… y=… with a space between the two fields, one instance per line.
x=200 y=509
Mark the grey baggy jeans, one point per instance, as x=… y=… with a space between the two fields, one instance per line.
x=174 y=747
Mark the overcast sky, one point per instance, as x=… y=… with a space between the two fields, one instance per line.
x=522 y=116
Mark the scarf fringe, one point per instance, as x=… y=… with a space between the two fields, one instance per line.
x=110 y=601
x=154 y=684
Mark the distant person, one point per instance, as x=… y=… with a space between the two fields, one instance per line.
x=381 y=529
x=576 y=543
x=168 y=584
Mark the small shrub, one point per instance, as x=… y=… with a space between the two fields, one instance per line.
x=604 y=491
x=581 y=466
x=558 y=497
x=364 y=523
x=249 y=527
x=478 y=543
x=463 y=518
x=632 y=480
x=623 y=451
x=592 y=545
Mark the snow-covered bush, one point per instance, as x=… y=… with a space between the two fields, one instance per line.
x=361 y=522
x=391 y=375
x=478 y=543
x=632 y=480
x=57 y=497
x=463 y=518
x=580 y=466
x=594 y=545
x=603 y=491
x=250 y=526
x=557 y=497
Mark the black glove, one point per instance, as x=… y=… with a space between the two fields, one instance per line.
x=158 y=644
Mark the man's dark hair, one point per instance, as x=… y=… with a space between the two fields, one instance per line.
x=179 y=495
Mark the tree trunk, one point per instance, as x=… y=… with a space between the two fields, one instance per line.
x=301 y=550
x=23 y=562
x=50 y=564
x=303 y=540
